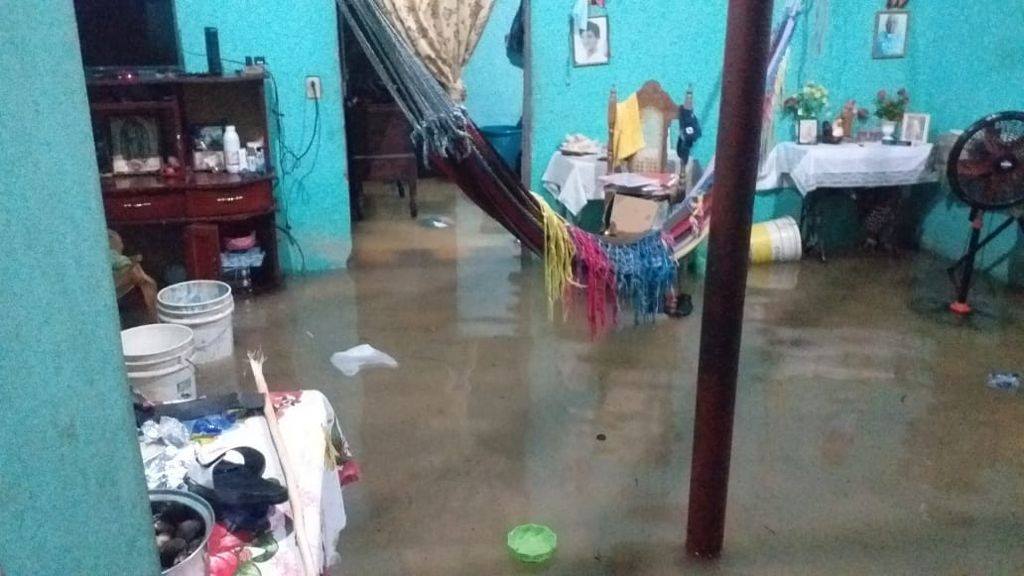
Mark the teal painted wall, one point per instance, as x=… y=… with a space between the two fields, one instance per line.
x=961 y=65
x=298 y=39
x=72 y=492
x=674 y=43
x=494 y=86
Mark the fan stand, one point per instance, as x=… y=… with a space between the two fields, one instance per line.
x=961 y=307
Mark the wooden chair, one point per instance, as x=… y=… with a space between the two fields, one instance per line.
x=657 y=112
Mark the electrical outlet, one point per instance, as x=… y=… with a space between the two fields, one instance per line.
x=314 y=91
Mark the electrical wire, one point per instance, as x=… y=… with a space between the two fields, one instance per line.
x=288 y=161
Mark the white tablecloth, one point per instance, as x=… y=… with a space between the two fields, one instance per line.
x=574 y=180
x=808 y=168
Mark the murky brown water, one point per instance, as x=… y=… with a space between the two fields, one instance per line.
x=866 y=440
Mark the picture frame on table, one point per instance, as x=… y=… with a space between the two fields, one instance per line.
x=807 y=131
x=915 y=127
x=591 y=46
x=891 y=34
x=135 y=144
x=207 y=147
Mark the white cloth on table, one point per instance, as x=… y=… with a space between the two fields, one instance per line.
x=573 y=180
x=871 y=165
x=305 y=421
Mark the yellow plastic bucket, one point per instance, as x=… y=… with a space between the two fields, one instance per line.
x=776 y=241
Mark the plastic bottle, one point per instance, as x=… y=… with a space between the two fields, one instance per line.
x=232 y=144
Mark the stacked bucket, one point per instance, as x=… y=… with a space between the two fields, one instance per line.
x=196 y=328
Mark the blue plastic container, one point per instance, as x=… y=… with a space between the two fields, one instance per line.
x=507 y=141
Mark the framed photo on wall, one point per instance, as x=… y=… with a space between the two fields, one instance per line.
x=591 y=46
x=915 y=128
x=890 y=39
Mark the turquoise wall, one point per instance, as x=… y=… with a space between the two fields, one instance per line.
x=672 y=42
x=963 y=63
x=494 y=86
x=72 y=492
x=298 y=39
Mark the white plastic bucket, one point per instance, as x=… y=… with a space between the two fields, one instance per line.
x=158 y=361
x=776 y=241
x=205 y=306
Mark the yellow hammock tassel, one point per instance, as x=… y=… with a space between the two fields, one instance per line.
x=558 y=255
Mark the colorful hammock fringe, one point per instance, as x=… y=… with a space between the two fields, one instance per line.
x=639 y=274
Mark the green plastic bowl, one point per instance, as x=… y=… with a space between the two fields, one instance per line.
x=532 y=543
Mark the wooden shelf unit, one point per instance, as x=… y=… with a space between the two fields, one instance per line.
x=196 y=208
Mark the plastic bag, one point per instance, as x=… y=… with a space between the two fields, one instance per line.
x=1009 y=381
x=351 y=361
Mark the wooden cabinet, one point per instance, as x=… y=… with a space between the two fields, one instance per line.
x=380 y=149
x=197 y=209
x=144 y=208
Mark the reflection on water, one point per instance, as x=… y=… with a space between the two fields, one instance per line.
x=866 y=440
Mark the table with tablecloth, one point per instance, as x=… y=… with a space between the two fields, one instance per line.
x=850 y=165
x=847 y=166
x=575 y=180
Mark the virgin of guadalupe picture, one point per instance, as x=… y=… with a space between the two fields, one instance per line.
x=135 y=145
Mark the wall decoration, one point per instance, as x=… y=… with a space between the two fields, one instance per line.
x=915 y=128
x=135 y=144
x=890 y=39
x=896 y=4
x=591 y=45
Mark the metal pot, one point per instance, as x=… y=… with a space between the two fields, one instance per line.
x=198 y=563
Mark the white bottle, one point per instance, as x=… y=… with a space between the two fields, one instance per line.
x=232 y=144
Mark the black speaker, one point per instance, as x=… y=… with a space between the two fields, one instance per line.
x=213 y=52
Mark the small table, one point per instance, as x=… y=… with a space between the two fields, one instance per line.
x=575 y=180
x=843 y=166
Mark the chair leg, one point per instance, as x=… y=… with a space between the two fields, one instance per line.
x=401 y=189
x=414 y=210
x=356 y=196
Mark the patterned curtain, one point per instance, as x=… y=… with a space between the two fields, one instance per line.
x=443 y=34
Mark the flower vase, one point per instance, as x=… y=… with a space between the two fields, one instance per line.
x=888 y=130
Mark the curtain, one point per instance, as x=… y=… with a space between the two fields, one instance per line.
x=443 y=33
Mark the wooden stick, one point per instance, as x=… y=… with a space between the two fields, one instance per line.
x=301 y=538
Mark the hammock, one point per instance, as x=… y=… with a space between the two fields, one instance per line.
x=639 y=273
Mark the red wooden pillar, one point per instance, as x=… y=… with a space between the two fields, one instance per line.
x=739 y=131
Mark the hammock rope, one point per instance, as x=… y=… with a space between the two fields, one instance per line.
x=639 y=274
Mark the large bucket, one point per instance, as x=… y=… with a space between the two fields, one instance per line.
x=158 y=360
x=198 y=563
x=205 y=306
x=507 y=142
x=776 y=241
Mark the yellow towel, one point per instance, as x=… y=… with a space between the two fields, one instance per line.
x=629 y=134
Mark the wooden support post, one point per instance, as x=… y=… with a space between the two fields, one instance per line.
x=739 y=131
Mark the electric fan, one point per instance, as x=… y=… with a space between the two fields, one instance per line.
x=986 y=170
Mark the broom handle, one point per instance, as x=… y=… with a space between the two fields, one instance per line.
x=301 y=537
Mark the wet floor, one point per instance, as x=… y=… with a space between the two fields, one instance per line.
x=866 y=440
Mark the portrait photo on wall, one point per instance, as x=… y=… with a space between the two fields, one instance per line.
x=890 y=40
x=590 y=45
